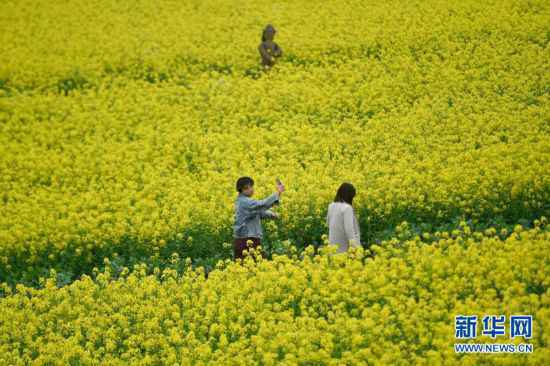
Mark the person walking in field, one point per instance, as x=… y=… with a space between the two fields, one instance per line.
x=249 y=213
x=269 y=50
x=342 y=223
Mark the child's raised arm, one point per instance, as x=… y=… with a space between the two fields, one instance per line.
x=264 y=204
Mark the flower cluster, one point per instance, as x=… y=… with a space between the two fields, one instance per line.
x=394 y=307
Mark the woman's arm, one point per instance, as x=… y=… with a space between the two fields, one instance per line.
x=349 y=227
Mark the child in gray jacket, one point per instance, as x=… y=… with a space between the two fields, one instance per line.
x=249 y=213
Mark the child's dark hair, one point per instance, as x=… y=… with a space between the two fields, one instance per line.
x=244 y=182
x=345 y=193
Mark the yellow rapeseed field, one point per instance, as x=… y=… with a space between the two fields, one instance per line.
x=124 y=126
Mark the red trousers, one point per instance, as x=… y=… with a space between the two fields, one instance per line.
x=240 y=244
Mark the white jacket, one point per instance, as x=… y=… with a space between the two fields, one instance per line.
x=342 y=226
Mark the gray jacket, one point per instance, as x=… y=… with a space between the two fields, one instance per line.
x=248 y=215
x=343 y=228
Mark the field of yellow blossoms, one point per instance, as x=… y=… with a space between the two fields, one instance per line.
x=124 y=126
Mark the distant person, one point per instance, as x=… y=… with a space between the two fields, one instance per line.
x=269 y=50
x=343 y=228
x=249 y=213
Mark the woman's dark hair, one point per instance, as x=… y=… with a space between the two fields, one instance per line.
x=268 y=28
x=244 y=182
x=345 y=193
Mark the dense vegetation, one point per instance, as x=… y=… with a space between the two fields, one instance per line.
x=124 y=125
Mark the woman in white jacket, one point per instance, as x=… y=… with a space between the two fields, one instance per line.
x=343 y=228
